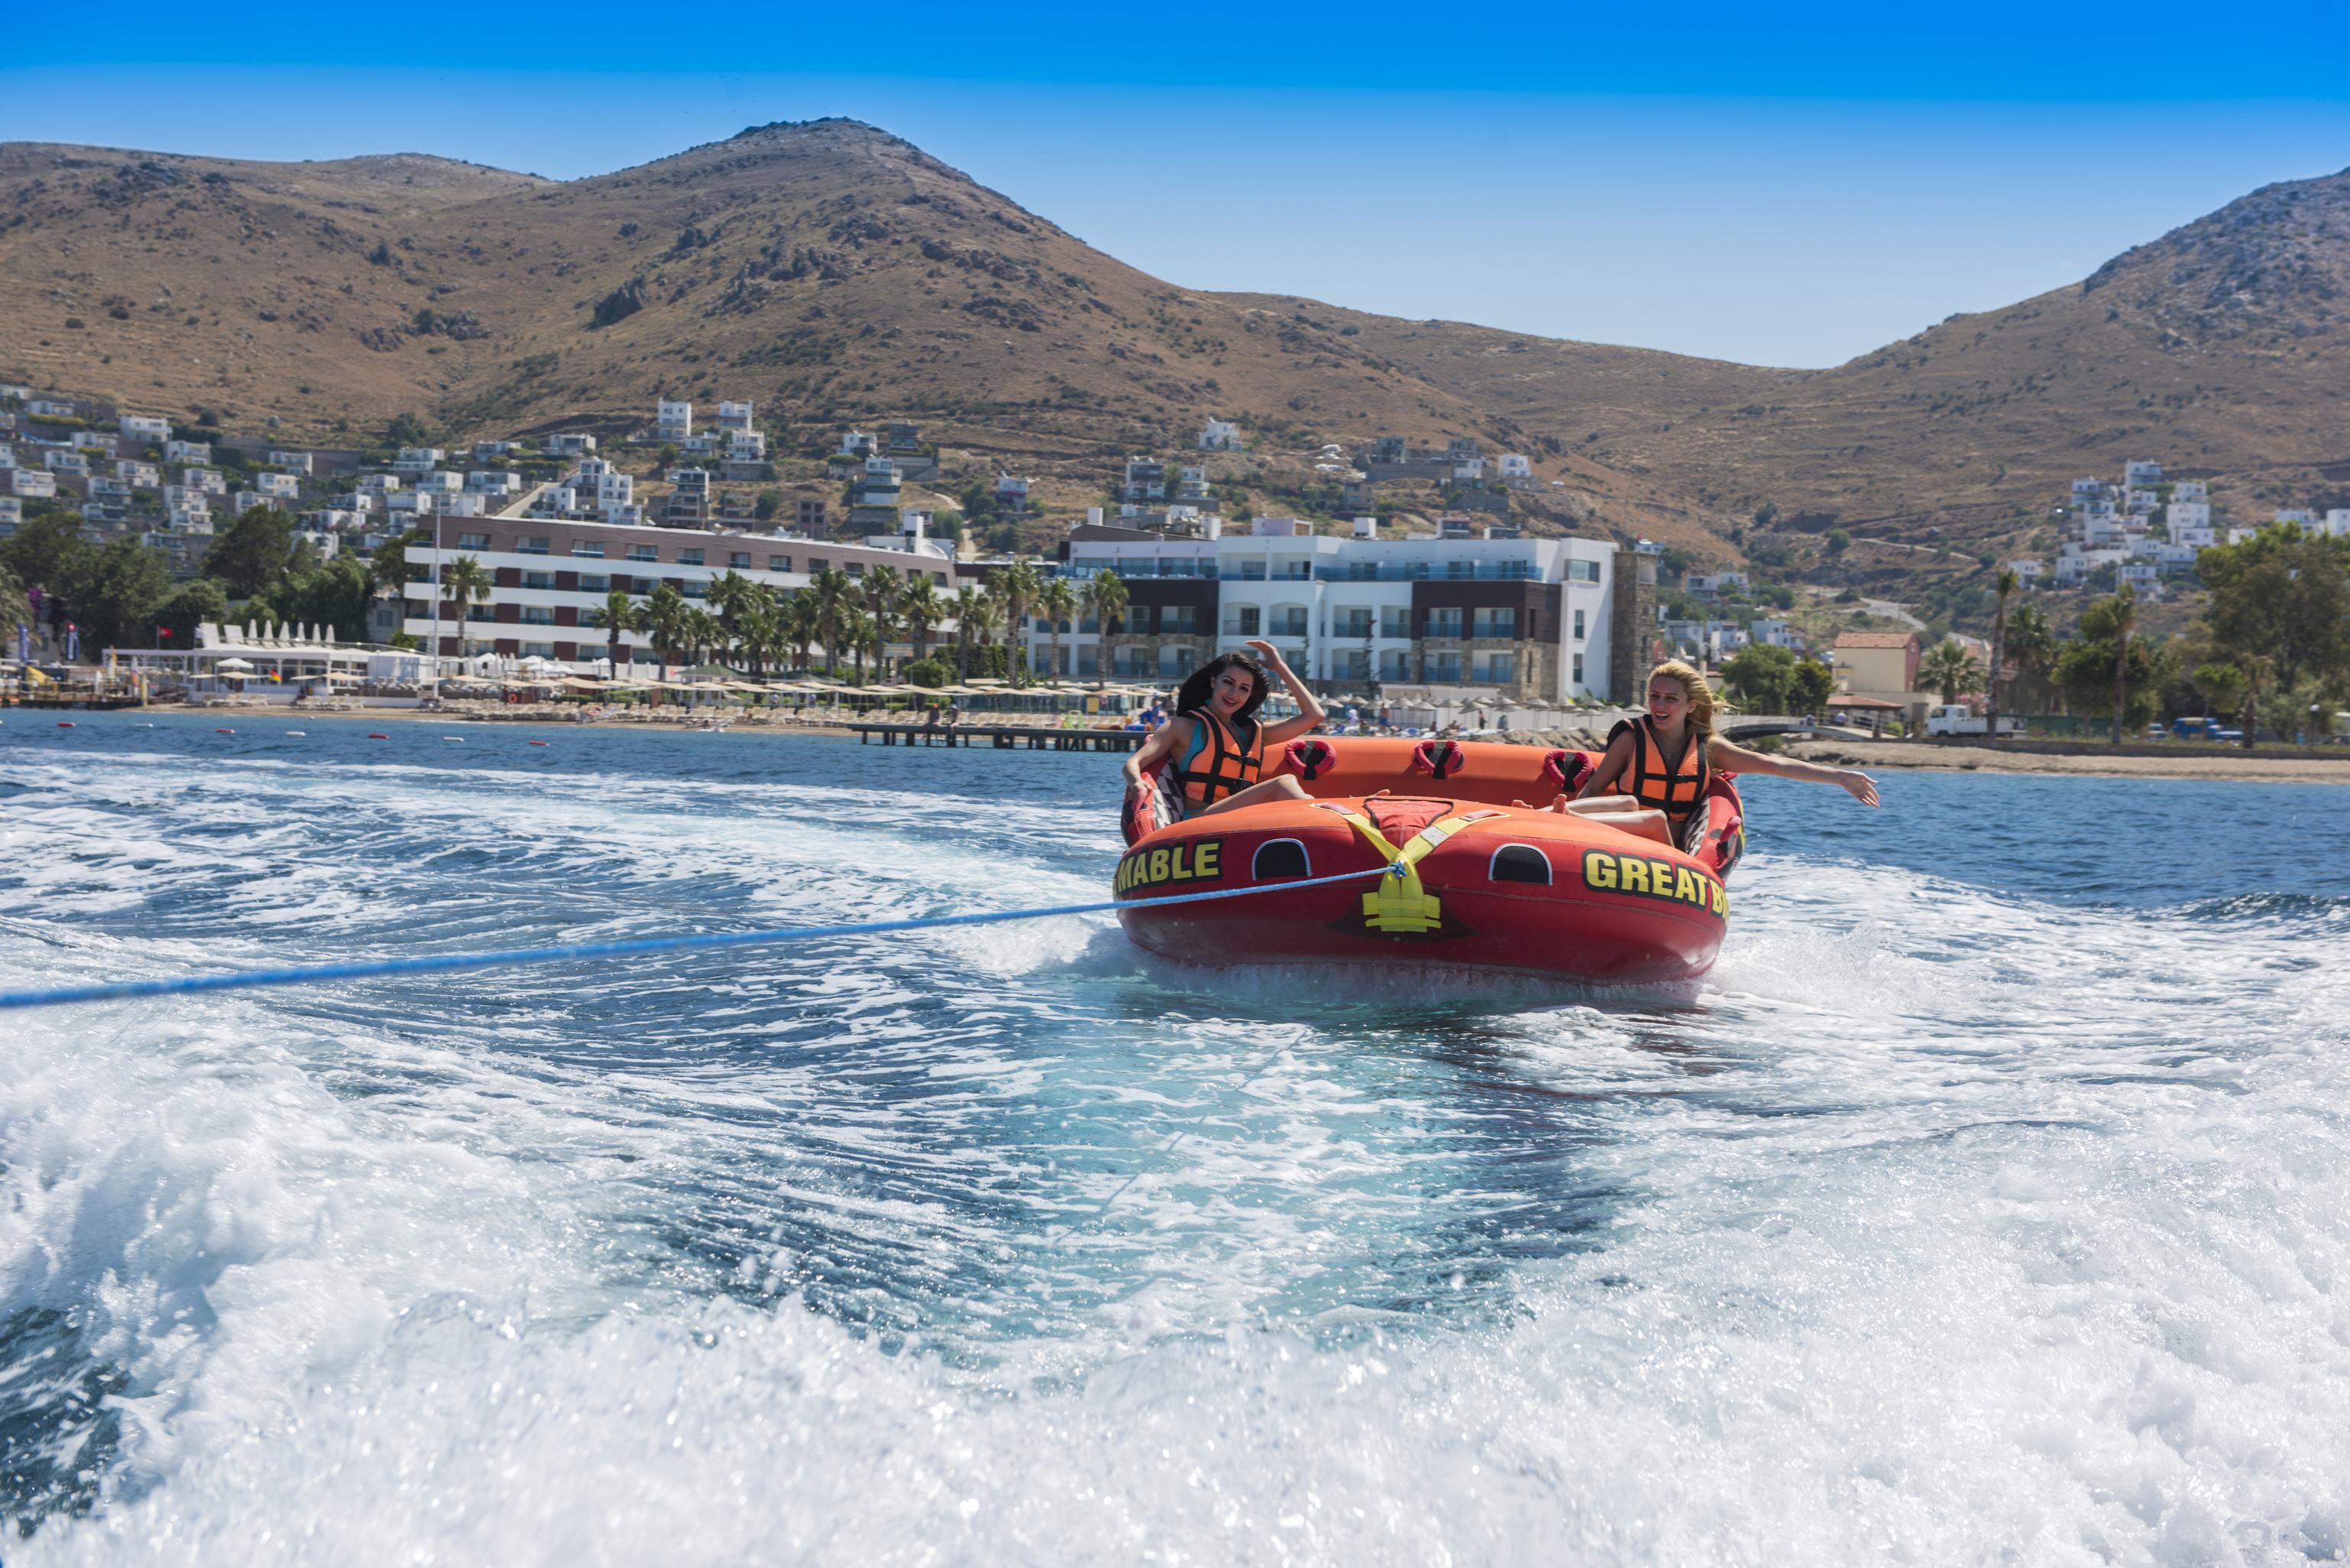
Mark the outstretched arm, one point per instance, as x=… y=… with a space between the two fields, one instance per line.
x=1739 y=759
x=1309 y=711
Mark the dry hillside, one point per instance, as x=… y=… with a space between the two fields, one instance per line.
x=835 y=273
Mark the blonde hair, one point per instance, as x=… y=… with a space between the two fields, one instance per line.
x=1693 y=686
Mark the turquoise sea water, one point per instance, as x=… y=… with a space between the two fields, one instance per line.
x=1989 y=1203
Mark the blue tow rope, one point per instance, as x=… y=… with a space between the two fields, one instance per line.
x=253 y=979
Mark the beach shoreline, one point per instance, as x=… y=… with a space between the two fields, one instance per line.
x=2230 y=765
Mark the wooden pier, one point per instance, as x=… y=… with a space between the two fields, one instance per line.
x=1004 y=737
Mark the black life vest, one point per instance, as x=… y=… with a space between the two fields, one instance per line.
x=1677 y=791
x=1223 y=761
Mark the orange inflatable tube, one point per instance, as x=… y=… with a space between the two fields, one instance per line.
x=1474 y=877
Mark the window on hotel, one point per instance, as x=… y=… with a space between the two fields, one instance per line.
x=1583 y=571
x=816 y=564
x=539 y=579
x=779 y=563
x=1497 y=623
x=588 y=549
x=1352 y=622
x=537 y=614
x=1444 y=622
x=594 y=583
x=1289 y=620
x=1245 y=621
x=472 y=541
x=538 y=651
x=855 y=568
x=1395 y=620
x=694 y=588
x=689 y=557
x=1444 y=666
x=536 y=546
x=740 y=559
x=481 y=612
x=1578 y=670
x=1498 y=667
x=1183 y=619
x=1578 y=625
x=643 y=553
x=1393 y=665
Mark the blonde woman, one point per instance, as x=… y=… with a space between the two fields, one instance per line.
x=1664 y=758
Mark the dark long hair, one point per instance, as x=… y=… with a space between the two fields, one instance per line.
x=1200 y=685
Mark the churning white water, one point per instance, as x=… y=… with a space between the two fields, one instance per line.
x=1989 y=1204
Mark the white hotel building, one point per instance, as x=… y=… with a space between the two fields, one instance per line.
x=551 y=578
x=1534 y=620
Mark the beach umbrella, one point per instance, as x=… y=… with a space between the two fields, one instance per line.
x=233 y=666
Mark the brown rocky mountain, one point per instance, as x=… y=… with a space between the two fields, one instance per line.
x=835 y=273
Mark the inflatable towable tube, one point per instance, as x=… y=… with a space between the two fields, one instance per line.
x=1473 y=879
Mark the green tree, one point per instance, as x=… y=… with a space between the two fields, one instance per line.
x=2006 y=582
x=621 y=614
x=252 y=553
x=465 y=581
x=197 y=599
x=2221 y=686
x=407 y=430
x=1105 y=600
x=2283 y=596
x=1950 y=669
x=2107 y=665
x=1015 y=588
x=15 y=607
x=1761 y=678
x=834 y=597
x=1815 y=685
x=769 y=502
x=334 y=594
x=114 y=593
x=664 y=622
x=1056 y=601
x=883 y=590
x=731 y=595
x=1839 y=541
x=922 y=609
x=974 y=617
x=799 y=625
x=47 y=550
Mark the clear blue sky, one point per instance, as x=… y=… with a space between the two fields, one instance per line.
x=1743 y=183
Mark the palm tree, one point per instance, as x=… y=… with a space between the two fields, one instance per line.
x=621 y=614
x=974 y=615
x=1105 y=600
x=1016 y=587
x=731 y=594
x=799 y=625
x=2124 y=613
x=1950 y=669
x=705 y=636
x=2006 y=582
x=1056 y=601
x=855 y=636
x=466 y=580
x=2030 y=640
x=883 y=587
x=833 y=600
x=920 y=606
x=754 y=633
x=664 y=619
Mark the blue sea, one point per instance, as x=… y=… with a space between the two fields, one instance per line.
x=1990 y=1203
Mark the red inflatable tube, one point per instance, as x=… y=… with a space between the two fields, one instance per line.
x=1489 y=883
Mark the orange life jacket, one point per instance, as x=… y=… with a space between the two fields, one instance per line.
x=1676 y=791
x=1221 y=763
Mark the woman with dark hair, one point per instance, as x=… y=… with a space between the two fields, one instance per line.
x=1214 y=741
